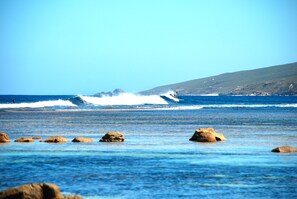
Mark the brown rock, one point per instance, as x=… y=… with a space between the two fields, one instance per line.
x=56 y=139
x=82 y=139
x=72 y=197
x=220 y=137
x=113 y=137
x=25 y=139
x=201 y=136
x=4 y=138
x=36 y=138
x=35 y=191
x=284 y=149
x=207 y=135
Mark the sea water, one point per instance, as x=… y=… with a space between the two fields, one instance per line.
x=157 y=160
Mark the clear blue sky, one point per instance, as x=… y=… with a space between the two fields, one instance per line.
x=86 y=46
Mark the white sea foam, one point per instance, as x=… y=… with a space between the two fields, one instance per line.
x=251 y=106
x=173 y=108
x=40 y=104
x=171 y=95
x=197 y=107
x=123 y=99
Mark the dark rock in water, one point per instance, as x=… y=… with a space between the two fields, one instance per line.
x=82 y=139
x=284 y=149
x=207 y=135
x=4 y=138
x=35 y=191
x=101 y=94
x=116 y=92
x=56 y=139
x=25 y=139
x=113 y=137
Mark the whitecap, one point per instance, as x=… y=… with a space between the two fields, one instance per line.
x=40 y=104
x=124 y=99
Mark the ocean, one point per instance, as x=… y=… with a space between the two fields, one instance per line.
x=157 y=160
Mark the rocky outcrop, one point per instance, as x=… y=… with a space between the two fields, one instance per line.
x=4 y=138
x=113 y=137
x=25 y=139
x=284 y=149
x=35 y=191
x=82 y=139
x=56 y=139
x=207 y=135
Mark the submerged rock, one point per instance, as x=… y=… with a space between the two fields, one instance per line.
x=35 y=191
x=4 y=138
x=113 y=137
x=56 y=139
x=207 y=135
x=284 y=149
x=25 y=139
x=82 y=139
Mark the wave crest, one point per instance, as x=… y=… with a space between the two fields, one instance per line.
x=122 y=99
x=40 y=104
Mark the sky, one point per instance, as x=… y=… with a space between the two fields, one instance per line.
x=88 y=46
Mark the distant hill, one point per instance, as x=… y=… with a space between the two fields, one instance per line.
x=274 y=80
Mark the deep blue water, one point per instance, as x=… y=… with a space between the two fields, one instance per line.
x=157 y=160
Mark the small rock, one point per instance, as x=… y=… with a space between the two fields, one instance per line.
x=72 y=197
x=36 y=138
x=4 y=138
x=25 y=139
x=35 y=191
x=56 y=139
x=207 y=135
x=284 y=149
x=82 y=139
x=113 y=137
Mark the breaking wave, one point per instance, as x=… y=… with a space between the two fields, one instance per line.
x=170 y=95
x=127 y=101
x=40 y=104
x=122 y=99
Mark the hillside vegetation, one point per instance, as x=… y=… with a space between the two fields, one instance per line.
x=275 y=80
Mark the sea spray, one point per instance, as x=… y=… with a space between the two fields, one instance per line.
x=123 y=99
x=40 y=104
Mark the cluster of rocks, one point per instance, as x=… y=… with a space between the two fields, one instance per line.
x=52 y=191
x=108 y=137
x=209 y=135
x=200 y=135
x=35 y=191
